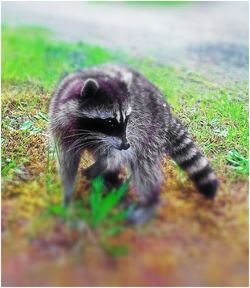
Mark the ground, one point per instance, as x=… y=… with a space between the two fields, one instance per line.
x=190 y=242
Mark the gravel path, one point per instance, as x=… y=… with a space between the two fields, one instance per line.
x=208 y=37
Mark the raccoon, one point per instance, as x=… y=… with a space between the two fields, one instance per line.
x=124 y=121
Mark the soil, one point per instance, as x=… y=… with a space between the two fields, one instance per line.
x=190 y=242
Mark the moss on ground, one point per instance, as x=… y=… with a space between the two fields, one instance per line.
x=188 y=239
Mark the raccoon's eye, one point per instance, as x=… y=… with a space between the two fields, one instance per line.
x=111 y=122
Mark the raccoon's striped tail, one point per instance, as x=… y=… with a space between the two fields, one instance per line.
x=190 y=159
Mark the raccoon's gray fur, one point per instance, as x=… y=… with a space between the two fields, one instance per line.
x=123 y=119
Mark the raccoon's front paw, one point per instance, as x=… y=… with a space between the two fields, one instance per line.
x=89 y=173
x=94 y=170
x=141 y=214
x=112 y=180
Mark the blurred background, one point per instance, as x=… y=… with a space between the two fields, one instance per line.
x=197 y=54
x=211 y=37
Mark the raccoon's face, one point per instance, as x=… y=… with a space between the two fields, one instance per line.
x=105 y=111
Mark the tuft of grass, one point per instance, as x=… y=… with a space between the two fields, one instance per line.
x=9 y=165
x=99 y=214
x=238 y=162
x=100 y=208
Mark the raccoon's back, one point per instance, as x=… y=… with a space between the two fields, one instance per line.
x=150 y=115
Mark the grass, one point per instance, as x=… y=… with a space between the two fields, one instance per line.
x=98 y=214
x=10 y=164
x=240 y=163
x=32 y=64
x=216 y=115
x=99 y=208
x=101 y=205
x=29 y=55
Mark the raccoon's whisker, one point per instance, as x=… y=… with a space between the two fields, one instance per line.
x=78 y=129
x=83 y=142
x=79 y=142
x=97 y=151
x=91 y=144
x=92 y=132
x=74 y=135
x=90 y=141
x=85 y=139
x=106 y=146
x=99 y=148
x=82 y=139
x=86 y=130
x=78 y=148
x=80 y=134
x=75 y=143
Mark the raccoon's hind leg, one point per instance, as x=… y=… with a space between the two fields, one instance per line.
x=146 y=178
x=69 y=163
x=189 y=158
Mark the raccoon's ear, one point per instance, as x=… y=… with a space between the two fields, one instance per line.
x=127 y=79
x=89 y=88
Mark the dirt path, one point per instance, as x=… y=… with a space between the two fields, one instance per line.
x=210 y=38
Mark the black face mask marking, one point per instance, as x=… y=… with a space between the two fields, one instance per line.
x=109 y=126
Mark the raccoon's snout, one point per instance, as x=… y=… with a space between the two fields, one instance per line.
x=124 y=146
x=119 y=143
x=124 y=143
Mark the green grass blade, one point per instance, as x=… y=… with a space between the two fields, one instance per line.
x=96 y=197
x=109 y=202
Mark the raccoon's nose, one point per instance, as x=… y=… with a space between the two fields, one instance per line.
x=125 y=146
